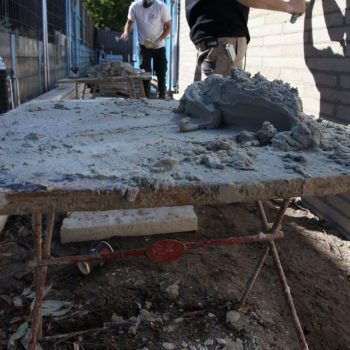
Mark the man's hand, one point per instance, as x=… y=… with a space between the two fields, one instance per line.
x=292 y=6
x=157 y=42
x=125 y=36
x=297 y=6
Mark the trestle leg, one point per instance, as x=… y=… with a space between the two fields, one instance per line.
x=264 y=254
x=42 y=250
x=271 y=247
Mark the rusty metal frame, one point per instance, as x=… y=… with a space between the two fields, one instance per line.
x=161 y=251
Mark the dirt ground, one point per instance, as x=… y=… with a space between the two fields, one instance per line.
x=184 y=304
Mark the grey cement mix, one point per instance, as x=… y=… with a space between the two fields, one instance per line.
x=119 y=144
x=242 y=101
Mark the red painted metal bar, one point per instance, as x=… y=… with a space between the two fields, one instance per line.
x=161 y=251
x=286 y=289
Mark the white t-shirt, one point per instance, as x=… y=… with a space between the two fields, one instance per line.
x=150 y=21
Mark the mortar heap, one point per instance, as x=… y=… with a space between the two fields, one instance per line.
x=266 y=112
x=111 y=69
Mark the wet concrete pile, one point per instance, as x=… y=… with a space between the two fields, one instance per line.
x=263 y=112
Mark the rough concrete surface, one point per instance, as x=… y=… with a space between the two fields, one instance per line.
x=94 y=226
x=128 y=145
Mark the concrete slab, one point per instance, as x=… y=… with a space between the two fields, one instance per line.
x=93 y=226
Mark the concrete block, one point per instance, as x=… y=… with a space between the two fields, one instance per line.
x=5 y=47
x=345 y=81
x=298 y=26
x=276 y=17
x=342 y=114
x=262 y=51
x=296 y=50
x=26 y=47
x=93 y=226
x=256 y=42
x=266 y=30
x=254 y=22
x=311 y=106
x=322 y=35
x=298 y=75
x=285 y=62
x=270 y=73
x=330 y=64
x=254 y=61
x=336 y=95
x=286 y=39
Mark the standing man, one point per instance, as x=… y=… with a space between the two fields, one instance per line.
x=220 y=32
x=153 y=26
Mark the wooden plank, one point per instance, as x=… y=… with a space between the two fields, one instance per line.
x=99 y=80
x=59 y=93
x=24 y=201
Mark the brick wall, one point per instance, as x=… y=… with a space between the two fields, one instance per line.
x=310 y=54
x=187 y=59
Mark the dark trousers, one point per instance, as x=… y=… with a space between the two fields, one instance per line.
x=159 y=66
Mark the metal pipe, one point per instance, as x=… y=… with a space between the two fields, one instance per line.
x=18 y=94
x=45 y=45
x=262 y=259
x=161 y=249
x=40 y=281
x=14 y=69
x=11 y=91
x=254 y=276
x=171 y=49
x=287 y=293
x=263 y=216
x=280 y=214
x=69 y=36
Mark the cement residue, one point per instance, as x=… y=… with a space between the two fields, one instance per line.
x=303 y=136
x=268 y=112
x=241 y=101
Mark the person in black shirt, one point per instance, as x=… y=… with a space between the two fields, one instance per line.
x=220 y=32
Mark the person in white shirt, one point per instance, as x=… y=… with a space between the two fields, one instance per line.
x=153 y=25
